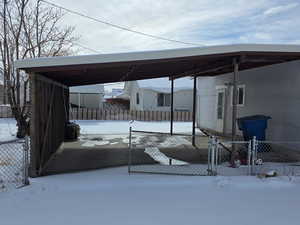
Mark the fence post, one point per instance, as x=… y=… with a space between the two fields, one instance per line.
x=212 y=157
x=208 y=155
x=26 y=164
x=249 y=157
x=254 y=153
x=217 y=157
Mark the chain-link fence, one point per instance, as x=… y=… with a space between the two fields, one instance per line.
x=162 y=153
x=254 y=157
x=271 y=158
x=14 y=161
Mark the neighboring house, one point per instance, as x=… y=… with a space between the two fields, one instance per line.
x=155 y=94
x=89 y=96
x=115 y=100
x=114 y=93
x=270 y=90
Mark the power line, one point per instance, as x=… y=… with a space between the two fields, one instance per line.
x=119 y=26
x=87 y=48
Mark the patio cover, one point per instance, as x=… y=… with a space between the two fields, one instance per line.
x=199 y=61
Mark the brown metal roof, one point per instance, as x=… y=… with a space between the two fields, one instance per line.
x=208 y=61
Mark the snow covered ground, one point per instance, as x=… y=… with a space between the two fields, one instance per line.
x=122 y=127
x=111 y=196
x=108 y=131
x=8 y=127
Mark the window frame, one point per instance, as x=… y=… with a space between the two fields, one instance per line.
x=137 y=96
x=241 y=86
x=164 y=99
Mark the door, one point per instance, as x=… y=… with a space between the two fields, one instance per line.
x=220 y=109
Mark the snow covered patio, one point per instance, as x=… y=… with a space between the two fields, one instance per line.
x=111 y=197
x=105 y=144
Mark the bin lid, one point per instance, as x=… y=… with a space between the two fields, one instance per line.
x=255 y=117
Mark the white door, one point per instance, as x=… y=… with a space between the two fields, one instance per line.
x=220 y=109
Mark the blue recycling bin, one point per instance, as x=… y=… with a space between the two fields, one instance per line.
x=254 y=126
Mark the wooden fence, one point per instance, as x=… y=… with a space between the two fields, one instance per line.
x=5 y=111
x=98 y=114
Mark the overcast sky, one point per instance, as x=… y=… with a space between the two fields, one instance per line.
x=204 y=22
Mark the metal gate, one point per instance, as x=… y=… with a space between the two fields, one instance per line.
x=162 y=153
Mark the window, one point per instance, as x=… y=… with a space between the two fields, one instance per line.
x=220 y=106
x=163 y=99
x=240 y=95
x=137 y=98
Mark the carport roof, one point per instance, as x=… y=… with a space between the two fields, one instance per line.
x=199 y=61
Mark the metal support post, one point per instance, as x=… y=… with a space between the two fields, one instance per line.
x=129 y=150
x=194 y=111
x=172 y=106
x=234 y=108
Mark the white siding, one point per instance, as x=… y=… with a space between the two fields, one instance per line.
x=272 y=91
x=183 y=99
x=133 y=87
x=206 y=108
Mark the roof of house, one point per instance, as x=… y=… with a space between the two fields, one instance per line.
x=200 y=61
x=164 y=84
x=88 y=89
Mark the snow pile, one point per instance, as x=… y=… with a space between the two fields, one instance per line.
x=160 y=157
x=94 y=143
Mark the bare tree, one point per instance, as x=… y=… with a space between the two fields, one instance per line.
x=29 y=30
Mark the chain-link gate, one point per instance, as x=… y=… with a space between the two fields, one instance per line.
x=14 y=161
x=163 y=153
x=221 y=157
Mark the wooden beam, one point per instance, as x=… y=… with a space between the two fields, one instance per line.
x=194 y=111
x=34 y=127
x=50 y=81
